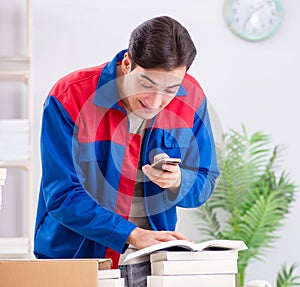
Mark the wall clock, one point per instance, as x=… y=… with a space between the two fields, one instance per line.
x=253 y=20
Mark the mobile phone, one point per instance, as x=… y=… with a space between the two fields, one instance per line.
x=166 y=160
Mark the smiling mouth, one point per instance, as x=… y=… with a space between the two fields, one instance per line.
x=148 y=109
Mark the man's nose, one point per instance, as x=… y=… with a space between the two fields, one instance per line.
x=154 y=100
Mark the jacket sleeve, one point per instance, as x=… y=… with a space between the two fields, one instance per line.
x=200 y=167
x=65 y=198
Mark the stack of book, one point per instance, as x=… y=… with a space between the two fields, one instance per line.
x=14 y=139
x=3 y=172
x=206 y=264
x=206 y=268
x=110 y=278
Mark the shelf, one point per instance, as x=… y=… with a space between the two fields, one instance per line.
x=14 y=68
x=16 y=139
x=22 y=163
x=14 y=246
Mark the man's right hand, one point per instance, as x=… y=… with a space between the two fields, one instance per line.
x=141 y=238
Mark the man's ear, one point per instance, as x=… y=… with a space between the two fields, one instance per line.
x=126 y=64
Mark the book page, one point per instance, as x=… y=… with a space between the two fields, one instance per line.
x=185 y=245
x=173 y=245
x=219 y=244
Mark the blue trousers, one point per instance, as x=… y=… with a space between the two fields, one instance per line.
x=135 y=275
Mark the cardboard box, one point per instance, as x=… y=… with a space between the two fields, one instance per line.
x=51 y=272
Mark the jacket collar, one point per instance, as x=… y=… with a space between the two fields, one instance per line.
x=106 y=94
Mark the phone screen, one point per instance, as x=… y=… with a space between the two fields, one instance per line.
x=158 y=164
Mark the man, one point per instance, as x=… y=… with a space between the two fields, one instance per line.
x=102 y=129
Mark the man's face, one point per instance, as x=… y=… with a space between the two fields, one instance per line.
x=147 y=91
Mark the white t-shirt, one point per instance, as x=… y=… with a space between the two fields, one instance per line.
x=137 y=212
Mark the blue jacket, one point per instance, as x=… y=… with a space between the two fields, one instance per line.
x=90 y=160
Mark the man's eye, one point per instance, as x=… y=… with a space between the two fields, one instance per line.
x=146 y=86
x=170 y=91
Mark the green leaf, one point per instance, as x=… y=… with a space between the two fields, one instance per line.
x=286 y=277
x=252 y=197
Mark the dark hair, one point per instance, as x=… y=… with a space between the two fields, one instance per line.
x=161 y=42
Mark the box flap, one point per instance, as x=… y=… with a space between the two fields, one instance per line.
x=51 y=272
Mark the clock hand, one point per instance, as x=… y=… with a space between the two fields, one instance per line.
x=254 y=11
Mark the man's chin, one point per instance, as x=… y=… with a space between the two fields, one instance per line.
x=145 y=115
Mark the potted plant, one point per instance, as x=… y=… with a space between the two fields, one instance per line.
x=252 y=197
x=286 y=277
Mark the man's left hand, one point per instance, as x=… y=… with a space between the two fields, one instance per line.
x=169 y=177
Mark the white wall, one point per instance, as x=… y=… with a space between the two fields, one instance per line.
x=256 y=84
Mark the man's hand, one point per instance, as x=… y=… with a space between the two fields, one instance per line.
x=169 y=177
x=141 y=238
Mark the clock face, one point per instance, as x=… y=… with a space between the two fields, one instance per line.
x=253 y=20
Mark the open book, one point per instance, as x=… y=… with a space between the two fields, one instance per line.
x=185 y=245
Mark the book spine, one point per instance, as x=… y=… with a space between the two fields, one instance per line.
x=111 y=282
x=194 y=256
x=109 y=274
x=221 y=280
x=194 y=267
